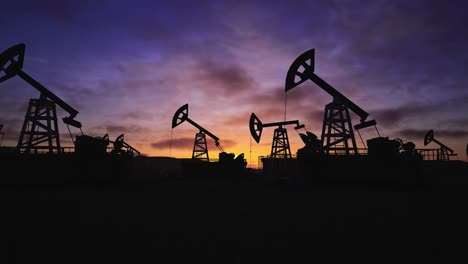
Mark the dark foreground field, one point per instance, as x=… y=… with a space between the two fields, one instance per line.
x=207 y=219
x=176 y=220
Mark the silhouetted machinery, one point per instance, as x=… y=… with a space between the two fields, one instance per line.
x=444 y=152
x=337 y=132
x=40 y=123
x=280 y=146
x=312 y=146
x=91 y=146
x=200 y=148
x=408 y=151
x=122 y=148
x=97 y=146
x=385 y=148
x=40 y=128
x=1 y=134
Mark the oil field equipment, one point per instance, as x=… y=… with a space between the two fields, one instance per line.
x=1 y=134
x=40 y=128
x=337 y=131
x=200 y=147
x=312 y=146
x=91 y=146
x=444 y=152
x=280 y=146
x=98 y=146
x=383 y=147
x=122 y=148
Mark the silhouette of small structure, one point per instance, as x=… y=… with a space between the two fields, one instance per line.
x=122 y=148
x=444 y=152
x=409 y=151
x=232 y=165
x=383 y=147
x=86 y=146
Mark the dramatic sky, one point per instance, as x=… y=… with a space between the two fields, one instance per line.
x=127 y=66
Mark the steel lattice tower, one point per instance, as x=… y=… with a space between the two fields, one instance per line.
x=40 y=128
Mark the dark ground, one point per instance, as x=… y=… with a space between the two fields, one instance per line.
x=177 y=220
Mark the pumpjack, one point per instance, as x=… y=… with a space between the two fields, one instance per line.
x=337 y=131
x=122 y=148
x=444 y=152
x=200 y=147
x=280 y=146
x=227 y=166
x=40 y=124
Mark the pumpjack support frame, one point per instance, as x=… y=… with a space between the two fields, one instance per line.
x=337 y=131
x=200 y=147
x=40 y=126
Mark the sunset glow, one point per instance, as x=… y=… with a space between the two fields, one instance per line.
x=128 y=67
